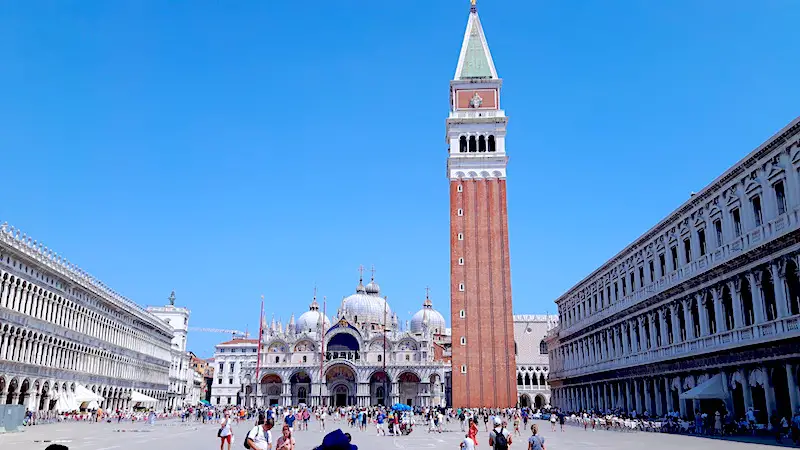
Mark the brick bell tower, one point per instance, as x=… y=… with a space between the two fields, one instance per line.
x=483 y=361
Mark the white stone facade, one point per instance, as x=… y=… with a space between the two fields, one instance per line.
x=360 y=364
x=181 y=374
x=63 y=333
x=709 y=296
x=533 y=365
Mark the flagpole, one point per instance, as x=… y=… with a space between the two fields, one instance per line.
x=322 y=346
x=385 y=377
x=260 y=332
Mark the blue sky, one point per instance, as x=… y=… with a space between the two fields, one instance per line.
x=230 y=149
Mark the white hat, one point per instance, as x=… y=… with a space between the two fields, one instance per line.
x=497 y=421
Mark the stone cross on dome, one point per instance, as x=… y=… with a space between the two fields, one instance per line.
x=361 y=272
x=372 y=269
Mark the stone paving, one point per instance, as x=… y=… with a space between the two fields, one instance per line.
x=195 y=436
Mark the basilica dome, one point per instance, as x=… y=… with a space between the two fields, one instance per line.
x=308 y=321
x=427 y=315
x=366 y=305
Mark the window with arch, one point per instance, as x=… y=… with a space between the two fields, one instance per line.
x=543 y=347
x=491 y=144
x=482 y=144
x=473 y=145
x=277 y=359
x=408 y=357
x=305 y=358
x=380 y=358
x=516 y=352
x=462 y=144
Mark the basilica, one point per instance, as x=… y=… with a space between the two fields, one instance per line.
x=364 y=357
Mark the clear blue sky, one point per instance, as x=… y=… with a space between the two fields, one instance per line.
x=230 y=149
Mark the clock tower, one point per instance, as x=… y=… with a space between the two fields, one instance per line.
x=483 y=360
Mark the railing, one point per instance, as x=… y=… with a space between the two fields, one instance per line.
x=477 y=113
x=782 y=328
x=767 y=231
x=350 y=356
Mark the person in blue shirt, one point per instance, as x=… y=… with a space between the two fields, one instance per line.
x=381 y=417
x=289 y=420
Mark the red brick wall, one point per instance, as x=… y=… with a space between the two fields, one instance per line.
x=488 y=326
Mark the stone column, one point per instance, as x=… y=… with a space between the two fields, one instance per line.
x=754 y=278
x=778 y=271
x=638 y=398
x=632 y=326
x=687 y=318
x=701 y=298
x=628 y=397
x=662 y=326
x=769 y=391
x=642 y=334
x=792 y=383
x=681 y=402
x=746 y=391
x=676 y=323
x=735 y=287
x=719 y=311
x=646 y=403
x=654 y=336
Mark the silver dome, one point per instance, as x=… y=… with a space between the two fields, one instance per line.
x=434 y=319
x=308 y=321
x=365 y=308
x=372 y=288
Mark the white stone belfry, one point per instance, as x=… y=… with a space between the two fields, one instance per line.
x=476 y=126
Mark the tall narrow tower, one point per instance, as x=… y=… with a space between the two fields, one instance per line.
x=483 y=360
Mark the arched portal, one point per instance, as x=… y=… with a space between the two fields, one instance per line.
x=409 y=387
x=342 y=346
x=524 y=401
x=341 y=382
x=539 y=401
x=271 y=388
x=379 y=384
x=301 y=385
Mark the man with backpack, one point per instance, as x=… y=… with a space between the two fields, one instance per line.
x=500 y=437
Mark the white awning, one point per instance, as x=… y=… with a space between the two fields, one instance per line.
x=710 y=389
x=83 y=394
x=65 y=403
x=138 y=397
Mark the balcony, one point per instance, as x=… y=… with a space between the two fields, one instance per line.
x=477 y=114
x=783 y=328
x=779 y=226
x=349 y=356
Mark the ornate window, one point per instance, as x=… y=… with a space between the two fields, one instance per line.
x=543 y=347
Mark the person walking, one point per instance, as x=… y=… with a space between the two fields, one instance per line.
x=473 y=430
x=260 y=436
x=500 y=437
x=225 y=432
x=553 y=419
x=535 y=442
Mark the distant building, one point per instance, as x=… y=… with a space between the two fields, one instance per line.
x=533 y=365
x=181 y=378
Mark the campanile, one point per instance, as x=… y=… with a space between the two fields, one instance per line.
x=483 y=360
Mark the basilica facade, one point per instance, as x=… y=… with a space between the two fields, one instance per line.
x=700 y=312
x=360 y=358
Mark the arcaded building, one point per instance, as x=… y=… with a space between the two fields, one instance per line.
x=700 y=312
x=67 y=340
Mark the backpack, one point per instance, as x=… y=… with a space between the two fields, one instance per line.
x=500 y=440
x=246 y=445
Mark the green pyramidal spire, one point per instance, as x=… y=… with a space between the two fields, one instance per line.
x=475 y=60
